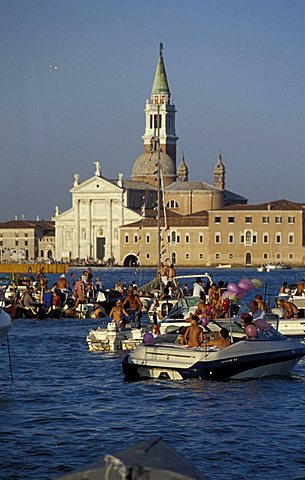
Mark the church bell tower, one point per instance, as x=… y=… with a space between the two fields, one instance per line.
x=160 y=113
x=219 y=174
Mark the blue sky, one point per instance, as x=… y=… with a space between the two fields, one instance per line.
x=235 y=70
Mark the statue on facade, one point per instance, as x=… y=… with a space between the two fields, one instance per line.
x=76 y=178
x=98 y=168
x=57 y=212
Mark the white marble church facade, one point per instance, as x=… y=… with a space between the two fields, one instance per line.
x=89 y=229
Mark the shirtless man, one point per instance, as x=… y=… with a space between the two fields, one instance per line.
x=163 y=273
x=193 y=336
x=134 y=304
x=117 y=313
x=223 y=340
x=171 y=273
x=63 y=283
x=300 y=287
x=291 y=310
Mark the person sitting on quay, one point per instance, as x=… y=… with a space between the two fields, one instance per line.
x=193 y=336
x=290 y=309
x=118 y=313
x=222 y=341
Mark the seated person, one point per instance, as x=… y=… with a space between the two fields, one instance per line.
x=193 y=336
x=222 y=341
x=249 y=326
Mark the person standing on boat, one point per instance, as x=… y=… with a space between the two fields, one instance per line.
x=134 y=306
x=163 y=272
x=117 y=314
x=79 y=292
x=171 y=273
x=63 y=283
x=198 y=288
x=193 y=336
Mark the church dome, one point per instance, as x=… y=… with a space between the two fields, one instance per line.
x=145 y=167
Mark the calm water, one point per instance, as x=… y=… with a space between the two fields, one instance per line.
x=67 y=407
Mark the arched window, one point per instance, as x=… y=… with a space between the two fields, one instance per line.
x=172 y=204
x=248 y=259
x=174 y=258
x=173 y=237
x=248 y=236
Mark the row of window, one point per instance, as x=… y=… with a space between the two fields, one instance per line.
x=249 y=238
x=17 y=235
x=16 y=243
x=219 y=256
x=248 y=219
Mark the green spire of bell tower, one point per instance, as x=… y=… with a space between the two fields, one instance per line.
x=160 y=85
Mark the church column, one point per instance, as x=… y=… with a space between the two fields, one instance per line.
x=76 y=230
x=109 y=246
x=89 y=238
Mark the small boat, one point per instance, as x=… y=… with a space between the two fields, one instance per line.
x=112 y=339
x=151 y=459
x=226 y=265
x=268 y=354
x=269 y=267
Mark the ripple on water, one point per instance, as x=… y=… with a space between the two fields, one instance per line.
x=68 y=407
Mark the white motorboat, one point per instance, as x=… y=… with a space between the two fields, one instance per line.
x=5 y=325
x=112 y=339
x=269 y=354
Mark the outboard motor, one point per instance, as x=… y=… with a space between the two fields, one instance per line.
x=113 y=336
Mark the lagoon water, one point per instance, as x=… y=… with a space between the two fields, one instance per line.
x=68 y=407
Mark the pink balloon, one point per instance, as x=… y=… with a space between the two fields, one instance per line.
x=251 y=330
x=261 y=324
x=232 y=288
x=245 y=284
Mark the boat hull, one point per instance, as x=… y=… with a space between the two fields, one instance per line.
x=239 y=361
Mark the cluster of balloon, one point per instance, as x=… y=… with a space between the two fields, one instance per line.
x=236 y=291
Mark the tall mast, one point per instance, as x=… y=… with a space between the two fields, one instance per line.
x=159 y=194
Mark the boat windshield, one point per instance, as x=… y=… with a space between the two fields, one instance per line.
x=270 y=334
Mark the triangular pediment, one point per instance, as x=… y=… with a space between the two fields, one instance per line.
x=66 y=215
x=94 y=185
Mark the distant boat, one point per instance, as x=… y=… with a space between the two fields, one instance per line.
x=226 y=265
x=268 y=267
